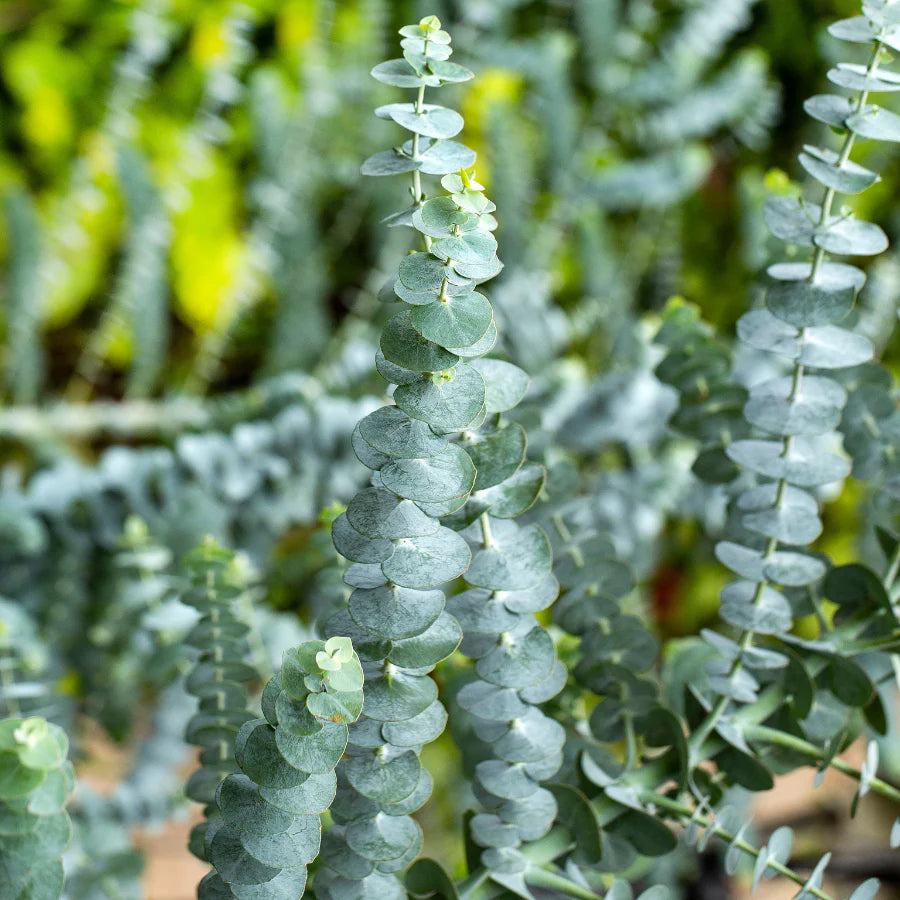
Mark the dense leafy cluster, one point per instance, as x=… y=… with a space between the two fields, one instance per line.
x=268 y=829
x=433 y=352
x=246 y=485
x=765 y=684
x=710 y=403
x=36 y=780
x=799 y=411
x=218 y=677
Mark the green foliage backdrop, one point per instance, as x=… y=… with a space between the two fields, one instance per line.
x=243 y=449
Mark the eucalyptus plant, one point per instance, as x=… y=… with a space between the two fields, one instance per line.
x=591 y=751
x=264 y=781
x=449 y=477
x=268 y=829
x=217 y=678
x=36 y=780
x=767 y=698
x=798 y=412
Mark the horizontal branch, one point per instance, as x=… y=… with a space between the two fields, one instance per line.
x=680 y=811
x=69 y=421
x=791 y=742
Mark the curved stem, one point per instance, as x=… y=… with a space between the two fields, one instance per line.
x=681 y=811
x=791 y=742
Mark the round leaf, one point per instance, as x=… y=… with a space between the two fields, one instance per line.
x=449 y=403
x=814 y=409
x=383 y=778
x=316 y=754
x=392 y=432
x=378 y=513
x=497 y=454
x=395 y=696
x=423 y=562
x=518 y=558
x=505 y=384
x=431 y=121
x=395 y=612
x=445 y=476
x=429 y=648
x=357 y=547
x=404 y=346
x=454 y=321
x=297 y=846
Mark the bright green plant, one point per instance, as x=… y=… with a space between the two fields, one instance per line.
x=36 y=780
x=268 y=829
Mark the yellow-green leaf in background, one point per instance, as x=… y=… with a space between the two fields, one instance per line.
x=207 y=251
x=297 y=24
x=83 y=225
x=493 y=87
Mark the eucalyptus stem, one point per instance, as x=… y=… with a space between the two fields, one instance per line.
x=722 y=703
x=485 y=523
x=791 y=742
x=843 y=156
x=418 y=196
x=681 y=811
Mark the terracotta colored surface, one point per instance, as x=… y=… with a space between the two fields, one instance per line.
x=821 y=821
x=172 y=873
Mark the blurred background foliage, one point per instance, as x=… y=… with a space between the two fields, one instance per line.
x=190 y=269
x=187 y=172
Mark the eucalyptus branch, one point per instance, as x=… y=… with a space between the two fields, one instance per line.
x=137 y=419
x=791 y=742
x=688 y=815
x=803 y=305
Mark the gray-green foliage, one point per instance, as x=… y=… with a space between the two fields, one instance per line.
x=101 y=604
x=268 y=829
x=797 y=412
x=449 y=475
x=762 y=686
x=218 y=677
x=36 y=780
x=564 y=800
x=391 y=531
x=135 y=627
x=710 y=403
